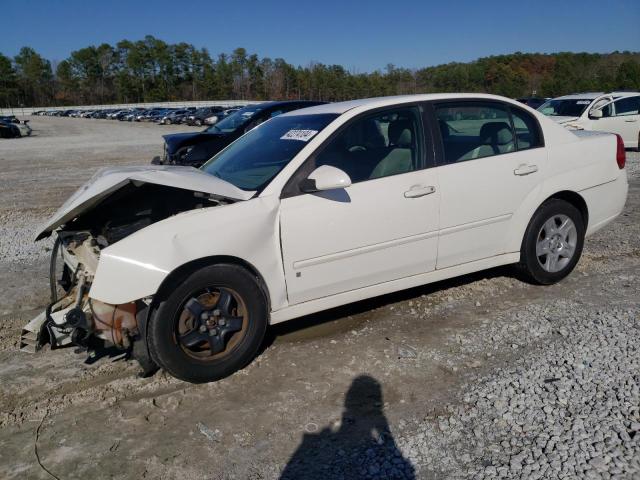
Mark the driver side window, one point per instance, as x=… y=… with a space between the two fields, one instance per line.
x=379 y=145
x=627 y=106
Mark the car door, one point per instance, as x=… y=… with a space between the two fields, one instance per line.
x=622 y=118
x=382 y=227
x=487 y=170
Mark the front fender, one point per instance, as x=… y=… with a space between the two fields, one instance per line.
x=136 y=266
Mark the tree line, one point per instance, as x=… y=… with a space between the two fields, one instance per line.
x=151 y=70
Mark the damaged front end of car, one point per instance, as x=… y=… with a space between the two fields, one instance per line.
x=115 y=204
x=73 y=318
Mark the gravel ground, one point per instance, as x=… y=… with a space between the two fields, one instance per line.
x=478 y=377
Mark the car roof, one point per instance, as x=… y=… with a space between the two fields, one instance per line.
x=581 y=96
x=283 y=103
x=342 y=107
x=594 y=95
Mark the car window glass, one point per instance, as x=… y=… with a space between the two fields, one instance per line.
x=375 y=146
x=235 y=120
x=565 y=108
x=526 y=129
x=627 y=106
x=471 y=131
x=253 y=160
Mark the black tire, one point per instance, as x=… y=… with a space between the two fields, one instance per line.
x=530 y=263
x=163 y=336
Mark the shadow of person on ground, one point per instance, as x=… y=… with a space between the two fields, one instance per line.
x=362 y=448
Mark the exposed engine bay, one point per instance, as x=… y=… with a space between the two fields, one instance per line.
x=72 y=318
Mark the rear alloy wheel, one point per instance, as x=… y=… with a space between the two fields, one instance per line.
x=553 y=242
x=211 y=325
x=199 y=123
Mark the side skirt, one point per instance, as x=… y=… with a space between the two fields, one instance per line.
x=325 y=303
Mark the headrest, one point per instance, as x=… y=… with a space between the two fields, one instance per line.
x=366 y=134
x=400 y=133
x=496 y=133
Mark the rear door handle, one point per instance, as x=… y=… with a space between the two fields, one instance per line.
x=419 y=191
x=525 y=169
x=631 y=121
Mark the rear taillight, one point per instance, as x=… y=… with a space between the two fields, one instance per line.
x=621 y=157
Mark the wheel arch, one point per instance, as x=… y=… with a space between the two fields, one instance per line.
x=532 y=205
x=574 y=199
x=186 y=269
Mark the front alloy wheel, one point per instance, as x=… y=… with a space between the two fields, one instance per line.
x=210 y=324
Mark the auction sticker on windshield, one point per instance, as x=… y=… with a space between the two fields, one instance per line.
x=302 y=135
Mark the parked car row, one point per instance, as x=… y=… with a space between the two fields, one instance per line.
x=161 y=115
x=613 y=112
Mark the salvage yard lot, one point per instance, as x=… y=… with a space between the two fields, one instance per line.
x=482 y=376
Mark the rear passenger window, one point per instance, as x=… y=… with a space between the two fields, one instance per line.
x=526 y=128
x=474 y=130
x=376 y=146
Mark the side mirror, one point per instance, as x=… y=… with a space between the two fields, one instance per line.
x=324 y=178
x=595 y=114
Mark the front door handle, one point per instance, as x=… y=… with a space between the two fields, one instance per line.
x=419 y=191
x=631 y=120
x=525 y=170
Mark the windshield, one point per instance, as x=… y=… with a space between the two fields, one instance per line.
x=235 y=120
x=253 y=160
x=565 y=108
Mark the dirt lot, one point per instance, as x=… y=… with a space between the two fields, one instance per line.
x=479 y=377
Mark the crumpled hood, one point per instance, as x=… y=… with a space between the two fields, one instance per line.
x=562 y=120
x=108 y=180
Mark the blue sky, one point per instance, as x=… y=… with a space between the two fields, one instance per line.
x=361 y=35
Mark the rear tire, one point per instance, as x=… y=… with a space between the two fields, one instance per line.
x=186 y=347
x=553 y=242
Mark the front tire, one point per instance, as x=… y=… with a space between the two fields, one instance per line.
x=553 y=242
x=211 y=325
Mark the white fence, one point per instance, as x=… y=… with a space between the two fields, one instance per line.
x=200 y=103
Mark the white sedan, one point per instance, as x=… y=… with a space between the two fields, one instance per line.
x=615 y=112
x=318 y=208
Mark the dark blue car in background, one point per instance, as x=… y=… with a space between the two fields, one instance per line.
x=194 y=149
